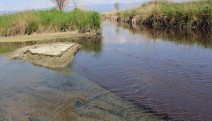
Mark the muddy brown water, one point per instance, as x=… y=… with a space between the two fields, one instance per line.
x=165 y=74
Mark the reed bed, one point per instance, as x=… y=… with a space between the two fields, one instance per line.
x=194 y=14
x=48 y=21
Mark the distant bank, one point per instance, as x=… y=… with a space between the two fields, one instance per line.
x=160 y=14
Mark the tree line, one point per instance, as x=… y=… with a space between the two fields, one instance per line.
x=62 y=4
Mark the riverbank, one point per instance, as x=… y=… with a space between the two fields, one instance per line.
x=46 y=36
x=49 y=21
x=159 y=14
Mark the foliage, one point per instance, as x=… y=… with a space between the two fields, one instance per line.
x=52 y=20
x=184 y=12
x=61 y=4
x=191 y=9
x=117 y=6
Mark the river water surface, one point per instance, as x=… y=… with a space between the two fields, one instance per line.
x=170 y=74
x=167 y=74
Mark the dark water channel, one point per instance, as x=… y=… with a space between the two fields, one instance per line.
x=168 y=72
x=165 y=73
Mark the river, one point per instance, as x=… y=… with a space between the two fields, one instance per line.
x=164 y=73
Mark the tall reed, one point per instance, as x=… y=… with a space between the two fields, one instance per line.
x=30 y=22
x=193 y=14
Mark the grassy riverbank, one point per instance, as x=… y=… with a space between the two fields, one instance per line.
x=48 y=21
x=195 y=14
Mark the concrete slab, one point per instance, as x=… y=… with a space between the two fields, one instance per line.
x=56 y=49
x=53 y=56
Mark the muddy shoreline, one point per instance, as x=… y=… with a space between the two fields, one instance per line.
x=48 y=36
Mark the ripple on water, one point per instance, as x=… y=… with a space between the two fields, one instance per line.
x=167 y=74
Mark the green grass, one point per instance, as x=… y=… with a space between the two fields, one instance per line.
x=185 y=12
x=29 y=22
x=194 y=10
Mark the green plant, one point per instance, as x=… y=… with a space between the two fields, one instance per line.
x=32 y=27
x=48 y=20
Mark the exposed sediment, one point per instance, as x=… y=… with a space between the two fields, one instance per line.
x=48 y=36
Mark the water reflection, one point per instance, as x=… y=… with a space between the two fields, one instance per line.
x=39 y=94
x=89 y=45
x=162 y=73
x=93 y=44
x=185 y=37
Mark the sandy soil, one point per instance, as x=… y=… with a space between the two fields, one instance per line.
x=45 y=36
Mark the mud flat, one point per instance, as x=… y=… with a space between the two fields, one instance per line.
x=54 y=55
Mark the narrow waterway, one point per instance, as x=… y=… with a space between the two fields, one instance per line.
x=150 y=73
x=170 y=73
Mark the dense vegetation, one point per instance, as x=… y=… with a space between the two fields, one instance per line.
x=163 y=13
x=30 y=22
